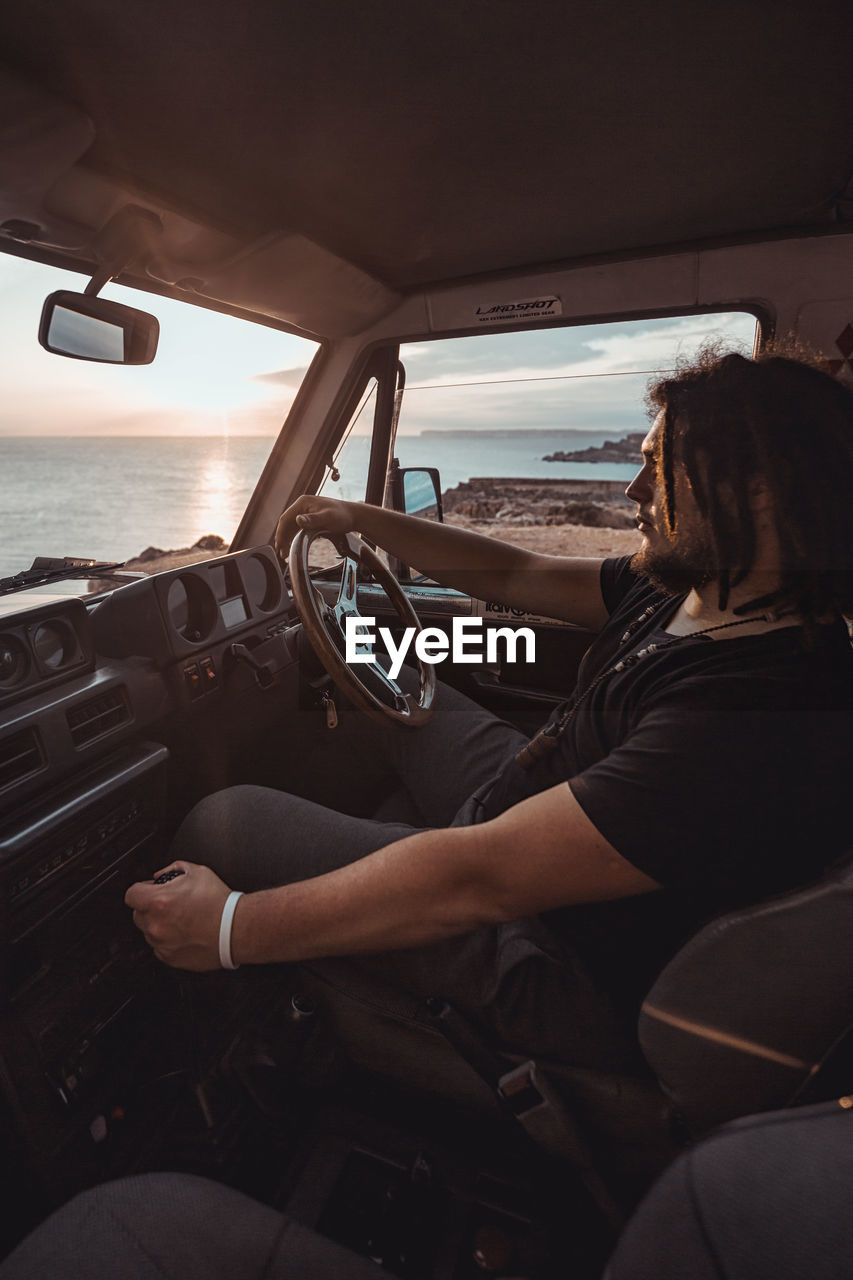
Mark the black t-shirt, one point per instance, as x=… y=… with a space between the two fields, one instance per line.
x=719 y=767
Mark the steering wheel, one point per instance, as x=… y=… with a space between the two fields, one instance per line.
x=373 y=691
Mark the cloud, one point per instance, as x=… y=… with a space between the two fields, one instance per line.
x=602 y=348
x=586 y=379
x=282 y=377
x=538 y=406
x=78 y=413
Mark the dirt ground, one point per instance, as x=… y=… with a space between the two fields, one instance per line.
x=561 y=539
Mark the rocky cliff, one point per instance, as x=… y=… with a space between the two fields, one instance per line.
x=625 y=451
x=599 y=503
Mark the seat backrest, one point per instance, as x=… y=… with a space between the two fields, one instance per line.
x=744 y=1015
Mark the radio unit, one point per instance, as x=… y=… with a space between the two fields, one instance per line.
x=74 y=967
x=52 y=857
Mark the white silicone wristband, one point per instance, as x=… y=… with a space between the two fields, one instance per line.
x=225 y=930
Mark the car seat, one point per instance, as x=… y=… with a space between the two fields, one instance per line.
x=763 y=1198
x=745 y=1018
x=755 y=1006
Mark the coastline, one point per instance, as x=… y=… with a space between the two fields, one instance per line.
x=555 y=517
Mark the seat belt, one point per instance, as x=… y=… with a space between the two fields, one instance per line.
x=523 y=1093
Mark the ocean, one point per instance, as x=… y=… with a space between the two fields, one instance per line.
x=109 y=498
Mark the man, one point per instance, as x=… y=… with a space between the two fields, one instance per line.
x=702 y=763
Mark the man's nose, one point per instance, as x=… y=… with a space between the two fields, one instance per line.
x=639 y=488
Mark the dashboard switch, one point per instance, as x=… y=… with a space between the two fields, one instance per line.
x=209 y=678
x=192 y=679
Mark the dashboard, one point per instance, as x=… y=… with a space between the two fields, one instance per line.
x=77 y=680
x=110 y=712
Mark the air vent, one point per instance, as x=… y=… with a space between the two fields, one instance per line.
x=20 y=757
x=98 y=716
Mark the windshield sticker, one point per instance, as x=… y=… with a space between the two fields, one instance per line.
x=523 y=309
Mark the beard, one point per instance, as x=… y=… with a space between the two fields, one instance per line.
x=676 y=569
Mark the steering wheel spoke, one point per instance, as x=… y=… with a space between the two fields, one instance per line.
x=347 y=600
x=386 y=681
x=369 y=685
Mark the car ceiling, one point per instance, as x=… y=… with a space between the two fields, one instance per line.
x=426 y=143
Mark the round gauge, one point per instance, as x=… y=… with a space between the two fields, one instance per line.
x=14 y=661
x=177 y=602
x=191 y=607
x=54 y=644
x=262 y=582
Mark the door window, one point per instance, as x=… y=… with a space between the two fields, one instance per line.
x=537 y=434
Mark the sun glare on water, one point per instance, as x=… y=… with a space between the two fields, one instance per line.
x=216 y=497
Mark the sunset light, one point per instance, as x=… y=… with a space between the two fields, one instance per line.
x=213 y=374
x=217 y=494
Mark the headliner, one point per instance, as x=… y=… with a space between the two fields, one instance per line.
x=457 y=137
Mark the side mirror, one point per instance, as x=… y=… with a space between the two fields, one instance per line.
x=86 y=327
x=416 y=491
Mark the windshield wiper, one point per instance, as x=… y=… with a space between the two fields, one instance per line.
x=46 y=569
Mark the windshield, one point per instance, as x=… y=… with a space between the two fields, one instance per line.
x=115 y=463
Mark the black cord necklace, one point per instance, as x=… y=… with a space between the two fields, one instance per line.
x=547 y=738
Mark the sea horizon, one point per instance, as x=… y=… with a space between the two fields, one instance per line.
x=76 y=496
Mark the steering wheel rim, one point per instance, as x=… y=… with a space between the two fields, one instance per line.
x=324 y=628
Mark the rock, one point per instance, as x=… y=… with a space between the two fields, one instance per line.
x=156 y=560
x=596 y=503
x=628 y=450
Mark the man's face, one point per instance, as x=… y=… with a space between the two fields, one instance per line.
x=673 y=562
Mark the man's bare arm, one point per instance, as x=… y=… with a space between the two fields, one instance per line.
x=486 y=568
x=542 y=853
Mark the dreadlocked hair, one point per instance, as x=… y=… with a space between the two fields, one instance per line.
x=727 y=420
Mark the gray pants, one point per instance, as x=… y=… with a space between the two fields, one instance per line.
x=176 y=1227
x=522 y=986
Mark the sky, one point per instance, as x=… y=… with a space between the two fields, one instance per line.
x=590 y=378
x=216 y=375
x=211 y=374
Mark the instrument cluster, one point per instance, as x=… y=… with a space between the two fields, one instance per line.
x=173 y=614
x=41 y=645
x=220 y=595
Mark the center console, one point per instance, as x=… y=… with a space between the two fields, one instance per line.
x=74 y=970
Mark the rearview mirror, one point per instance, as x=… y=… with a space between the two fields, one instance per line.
x=86 y=327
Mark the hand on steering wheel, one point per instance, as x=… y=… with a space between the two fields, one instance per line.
x=372 y=690
x=312 y=513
